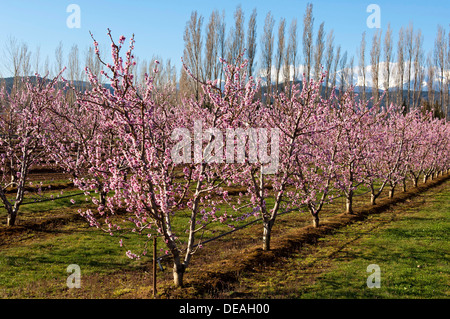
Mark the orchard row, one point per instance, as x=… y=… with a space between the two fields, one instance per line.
x=124 y=142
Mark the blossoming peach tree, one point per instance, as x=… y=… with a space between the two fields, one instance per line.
x=157 y=178
x=23 y=130
x=163 y=167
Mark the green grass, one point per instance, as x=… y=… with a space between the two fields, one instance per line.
x=44 y=258
x=410 y=244
x=413 y=254
x=45 y=202
x=94 y=251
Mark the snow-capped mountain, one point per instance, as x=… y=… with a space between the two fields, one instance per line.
x=358 y=81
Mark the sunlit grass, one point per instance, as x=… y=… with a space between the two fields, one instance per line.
x=410 y=244
x=419 y=237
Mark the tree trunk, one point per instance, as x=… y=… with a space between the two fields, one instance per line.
x=373 y=199
x=425 y=178
x=349 y=203
x=267 y=231
x=178 y=273
x=391 y=192
x=404 y=184
x=11 y=219
x=415 y=181
x=316 y=221
x=103 y=198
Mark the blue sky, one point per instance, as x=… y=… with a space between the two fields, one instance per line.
x=159 y=25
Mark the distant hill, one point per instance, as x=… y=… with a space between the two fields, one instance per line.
x=359 y=89
x=83 y=85
x=79 y=85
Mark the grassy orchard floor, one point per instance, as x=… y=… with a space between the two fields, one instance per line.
x=409 y=242
x=51 y=236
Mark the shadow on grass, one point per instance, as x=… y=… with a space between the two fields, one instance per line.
x=220 y=276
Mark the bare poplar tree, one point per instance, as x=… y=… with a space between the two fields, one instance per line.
x=73 y=64
x=318 y=51
x=400 y=66
x=37 y=60
x=448 y=76
x=329 y=55
x=418 y=68
x=73 y=72
x=134 y=68
x=290 y=56
x=171 y=73
x=185 y=85
x=387 y=61
x=335 y=68
x=293 y=45
x=25 y=58
x=287 y=68
x=162 y=75
x=211 y=47
x=430 y=76
x=280 y=51
x=440 y=55
x=236 y=40
x=308 y=23
x=17 y=59
x=343 y=73
x=166 y=71
x=362 y=64
x=92 y=62
x=267 y=49
x=59 y=58
x=375 y=64
x=409 y=54
x=143 y=70
x=12 y=57
x=193 y=48
x=251 y=43
x=47 y=66
x=351 y=71
x=220 y=44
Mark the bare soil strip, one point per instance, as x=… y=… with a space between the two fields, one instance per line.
x=218 y=266
x=219 y=276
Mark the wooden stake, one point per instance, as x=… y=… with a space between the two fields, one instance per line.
x=154 y=266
